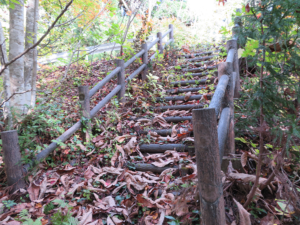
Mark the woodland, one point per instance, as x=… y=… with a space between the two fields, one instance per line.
x=98 y=100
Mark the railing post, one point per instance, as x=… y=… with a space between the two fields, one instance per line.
x=236 y=28
x=232 y=44
x=160 y=43
x=208 y=167
x=145 y=61
x=121 y=81
x=171 y=34
x=12 y=159
x=226 y=68
x=84 y=101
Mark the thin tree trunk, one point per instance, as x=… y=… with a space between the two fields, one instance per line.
x=30 y=64
x=261 y=139
x=6 y=83
x=16 y=47
x=150 y=10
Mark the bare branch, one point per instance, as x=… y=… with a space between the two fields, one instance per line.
x=69 y=21
x=40 y=40
x=16 y=93
x=3 y=58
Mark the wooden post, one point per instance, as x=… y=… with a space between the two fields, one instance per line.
x=160 y=43
x=12 y=159
x=121 y=81
x=208 y=167
x=232 y=44
x=84 y=101
x=226 y=68
x=171 y=34
x=145 y=61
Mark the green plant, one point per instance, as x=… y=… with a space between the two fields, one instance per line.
x=173 y=220
x=60 y=218
x=24 y=217
x=269 y=37
x=87 y=194
x=9 y=204
x=257 y=212
x=49 y=207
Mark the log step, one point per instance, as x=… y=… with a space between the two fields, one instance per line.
x=189 y=82
x=199 y=59
x=200 y=69
x=198 y=64
x=177 y=119
x=198 y=54
x=165 y=132
x=195 y=74
x=175 y=91
x=149 y=167
x=158 y=148
x=179 y=98
x=178 y=107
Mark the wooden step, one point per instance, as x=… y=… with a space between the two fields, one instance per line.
x=179 y=98
x=200 y=69
x=182 y=90
x=189 y=82
x=178 y=107
x=161 y=148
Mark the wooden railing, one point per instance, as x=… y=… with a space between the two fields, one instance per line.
x=214 y=140
x=84 y=99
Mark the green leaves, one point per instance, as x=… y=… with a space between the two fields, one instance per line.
x=250 y=47
x=12 y=3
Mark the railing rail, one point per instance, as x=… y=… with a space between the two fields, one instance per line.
x=118 y=90
x=207 y=132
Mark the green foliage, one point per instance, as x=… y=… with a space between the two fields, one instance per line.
x=48 y=208
x=270 y=36
x=60 y=218
x=9 y=204
x=24 y=217
x=87 y=194
x=173 y=220
x=46 y=121
x=256 y=211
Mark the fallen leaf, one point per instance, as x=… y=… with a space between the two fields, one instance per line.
x=244 y=216
x=88 y=174
x=244 y=158
x=187 y=96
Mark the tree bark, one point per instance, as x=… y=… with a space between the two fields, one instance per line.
x=30 y=60
x=84 y=101
x=12 y=158
x=6 y=83
x=16 y=47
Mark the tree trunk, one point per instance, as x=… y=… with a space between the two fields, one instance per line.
x=30 y=65
x=16 y=47
x=6 y=83
x=12 y=159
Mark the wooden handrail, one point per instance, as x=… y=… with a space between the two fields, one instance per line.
x=104 y=81
x=134 y=58
x=223 y=128
x=153 y=43
x=136 y=72
x=217 y=99
x=209 y=155
x=119 y=89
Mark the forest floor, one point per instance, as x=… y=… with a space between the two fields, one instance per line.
x=100 y=183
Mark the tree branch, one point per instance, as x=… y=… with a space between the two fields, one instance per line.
x=40 y=40
x=16 y=93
